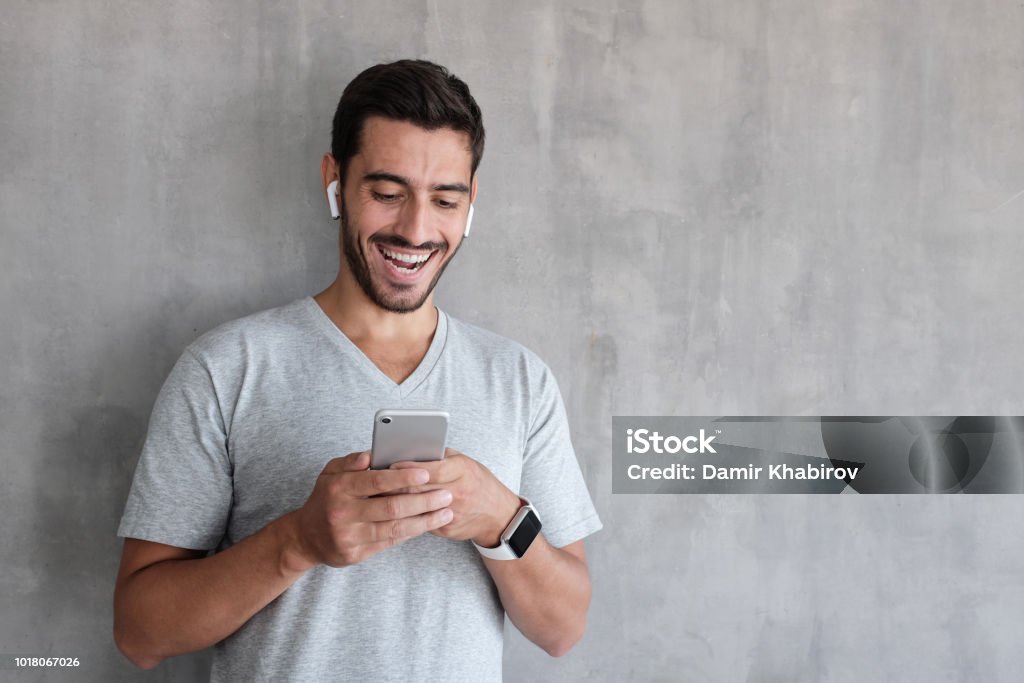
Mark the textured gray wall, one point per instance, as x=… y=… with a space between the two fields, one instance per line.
x=686 y=208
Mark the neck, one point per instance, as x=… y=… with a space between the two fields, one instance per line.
x=361 y=320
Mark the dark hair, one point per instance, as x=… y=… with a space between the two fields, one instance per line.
x=412 y=90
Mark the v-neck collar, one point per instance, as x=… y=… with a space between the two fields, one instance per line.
x=410 y=383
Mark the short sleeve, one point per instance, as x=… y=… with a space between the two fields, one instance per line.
x=552 y=480
x=182 y=489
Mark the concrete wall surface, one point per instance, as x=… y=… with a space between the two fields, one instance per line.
x=686 y=208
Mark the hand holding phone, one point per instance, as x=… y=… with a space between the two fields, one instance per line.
x=349 y=517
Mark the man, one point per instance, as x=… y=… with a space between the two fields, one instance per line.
x=326 y=570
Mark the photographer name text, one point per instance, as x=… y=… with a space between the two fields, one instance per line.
x=645 y=441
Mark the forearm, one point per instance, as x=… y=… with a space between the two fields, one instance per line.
x=179 y=606
x=546 y=594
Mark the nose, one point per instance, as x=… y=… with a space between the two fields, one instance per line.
x=414 y=223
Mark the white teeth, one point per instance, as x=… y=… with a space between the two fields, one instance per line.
x=406 y=258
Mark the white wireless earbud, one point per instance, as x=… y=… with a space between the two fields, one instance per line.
x=469 y=221
x=332 y=199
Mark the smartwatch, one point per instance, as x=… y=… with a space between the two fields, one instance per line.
x=517 y=536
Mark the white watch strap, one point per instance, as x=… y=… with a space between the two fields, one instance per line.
x=503 y=551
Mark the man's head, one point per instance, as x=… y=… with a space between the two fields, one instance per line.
x=411 y=90
x=406 y=142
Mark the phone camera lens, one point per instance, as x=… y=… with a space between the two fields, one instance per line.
x=386 y=420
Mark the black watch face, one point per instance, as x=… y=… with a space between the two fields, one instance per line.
x=524 y=534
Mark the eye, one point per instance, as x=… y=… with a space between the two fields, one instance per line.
x=384 y=197
x=447 y=204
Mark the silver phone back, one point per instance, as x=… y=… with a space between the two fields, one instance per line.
x=400 y=434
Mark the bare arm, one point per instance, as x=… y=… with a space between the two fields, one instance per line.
x=546 y=593
x=170 y=600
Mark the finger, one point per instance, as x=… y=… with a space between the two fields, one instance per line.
x=353 y=462
x=369 y=549
x=394 y=530
x=429 y=465
x=447 y=471
x=441 y=471
x=405 y=505
x=416 y=489
x=373 y=482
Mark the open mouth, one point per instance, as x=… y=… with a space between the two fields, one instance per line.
x=405 y=263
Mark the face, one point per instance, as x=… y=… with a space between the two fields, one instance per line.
x=404 y=207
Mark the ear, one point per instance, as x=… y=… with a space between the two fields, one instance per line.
x=329 y=174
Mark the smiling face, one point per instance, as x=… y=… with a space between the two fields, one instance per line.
x=404 y=205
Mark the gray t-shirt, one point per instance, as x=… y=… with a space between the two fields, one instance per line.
x=247 y=419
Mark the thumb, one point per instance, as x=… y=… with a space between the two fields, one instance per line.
x=353 y=462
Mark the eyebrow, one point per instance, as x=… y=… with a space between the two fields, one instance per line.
x=391 y=177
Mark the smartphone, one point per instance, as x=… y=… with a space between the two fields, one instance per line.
x=399 y=435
